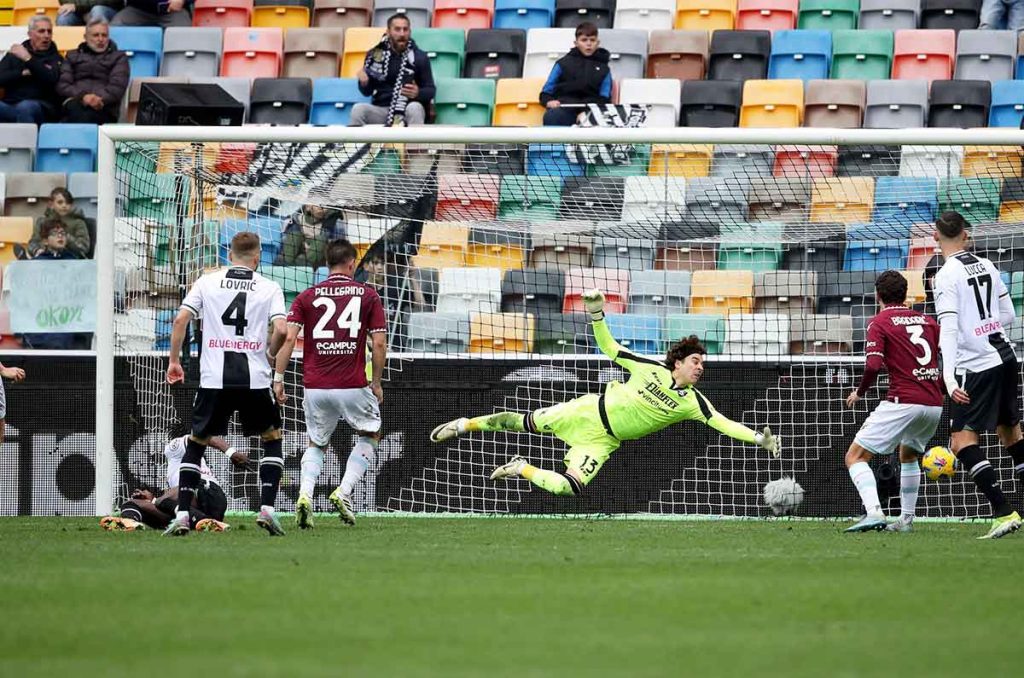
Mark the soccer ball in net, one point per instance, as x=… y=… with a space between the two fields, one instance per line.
x=938 y=462
x=783 y=496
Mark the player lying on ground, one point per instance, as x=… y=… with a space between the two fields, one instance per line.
x=657 y=394
x=336 y=316
x=206 y=514
x=906 y=343
x=15 y=374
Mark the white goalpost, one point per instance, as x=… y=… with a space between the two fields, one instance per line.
x=763 y=242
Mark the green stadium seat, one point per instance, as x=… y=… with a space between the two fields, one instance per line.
x=828 y=15
x=388 y=161
x=640 y=158
x=531 y=198
x=562 y=333
x=292 y=279
x=709 y=328
x=153 y=196
x=446 y=49
x=861 y=55
x=975 y=198
x=468 y=102
x=1017 y=292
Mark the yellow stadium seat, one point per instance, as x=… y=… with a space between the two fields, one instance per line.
x=994 y=162
x=680 y=160
x=496 y=250
x=705 y=15
x=845 y=200
x=6 y=12
x=772 y=103
x=915 y=286
x=517 y=102
x=500 y=333
x=442 y=245
x=26 y=9
x=179 y=157
x=280 y=16
x=358 y=41
x=722 y=292
x=13 y=231
x=68 y=38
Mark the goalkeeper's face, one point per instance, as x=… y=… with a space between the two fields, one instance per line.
x=689 y=370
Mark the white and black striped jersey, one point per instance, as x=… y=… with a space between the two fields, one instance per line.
x=175 y=452
x=968 y=287
x=237 y=305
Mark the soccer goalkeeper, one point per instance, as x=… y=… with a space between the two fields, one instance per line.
x=657 y=394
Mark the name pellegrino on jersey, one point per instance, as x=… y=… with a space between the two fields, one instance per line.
x=339 y=291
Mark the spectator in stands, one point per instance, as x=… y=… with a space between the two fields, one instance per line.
x=94 y=77
x=397 y=74
x=580 y=77
x=81 y=12
x=55 y=241
x=161 y=13
x=1000 y=15
x=62 y=209
x=28 y=76
x=307 y=233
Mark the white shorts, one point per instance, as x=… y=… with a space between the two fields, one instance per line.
x=324 y=407
x=894 y=424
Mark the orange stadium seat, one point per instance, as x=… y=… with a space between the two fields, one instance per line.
x=613 y=282
x=680 y=160
x=464 y=14
x=706 y=15
x=995 y=162
x=280 y=14
x=772 y=103
x=222 y=13
x=358 y=41
x=26 y=9
x=846 y=200
x=500 y=333
x=13 y=231
x=252 y=52
x=766 y=15
x=722 y=292
x=924 y=55
x=805 y=161
x=442 y=245
x=517 y=102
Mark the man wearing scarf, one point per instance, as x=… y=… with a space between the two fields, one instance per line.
x=396 y=73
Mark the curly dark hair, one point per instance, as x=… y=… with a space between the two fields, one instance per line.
x=683 y=348
x=49 y=226
x=891 y=287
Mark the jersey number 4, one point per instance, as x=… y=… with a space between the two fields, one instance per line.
x=234 y=315
x=348 y=319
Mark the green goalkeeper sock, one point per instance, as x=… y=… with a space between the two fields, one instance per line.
x=555 y=483
x=502 y=421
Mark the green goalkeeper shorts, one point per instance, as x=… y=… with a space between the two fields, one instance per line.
x=578 y=424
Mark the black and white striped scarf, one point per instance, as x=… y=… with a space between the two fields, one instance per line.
x=606 y=115
x=396 y=108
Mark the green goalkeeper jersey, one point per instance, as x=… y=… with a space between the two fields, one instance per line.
x=649 y=400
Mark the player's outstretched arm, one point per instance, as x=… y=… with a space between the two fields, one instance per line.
x=175 y=373
x=593 y=301
x=735 y=429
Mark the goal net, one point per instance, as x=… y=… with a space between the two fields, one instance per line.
x=763 y=243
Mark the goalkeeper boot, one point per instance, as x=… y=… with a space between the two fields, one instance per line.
x=211 y=525
x=901 y=524
x=448 y=431
x=1003 y=526
x=268 y=521
x=178 y=528
x=304 y=512
x=873 y=521
x=343 y=502
x=513 y=469
x=118 y=524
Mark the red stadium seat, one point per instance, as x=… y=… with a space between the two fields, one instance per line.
x=222 y=13
x=613 y=281
x=464 y=14
x=766 y=15
x=813 y=162
x=924 y=55
x=467 y=197
x=252 y=52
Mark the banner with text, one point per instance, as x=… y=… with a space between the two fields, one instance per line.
x=52 y=296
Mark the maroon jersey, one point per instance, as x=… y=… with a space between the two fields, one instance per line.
x=336 y=316
x=907 y=343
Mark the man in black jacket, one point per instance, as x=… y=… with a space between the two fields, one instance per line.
x=580 y=77
x=397 y=74
x=28 y=75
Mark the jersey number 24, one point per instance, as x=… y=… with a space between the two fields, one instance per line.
x=348 y=319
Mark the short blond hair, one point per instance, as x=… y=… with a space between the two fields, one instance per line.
x=245 y=244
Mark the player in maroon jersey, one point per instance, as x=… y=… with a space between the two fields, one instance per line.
x=336 y=317
x=906 y=342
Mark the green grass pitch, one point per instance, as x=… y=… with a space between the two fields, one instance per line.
x=509 y=597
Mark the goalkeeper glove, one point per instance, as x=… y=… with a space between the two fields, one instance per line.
x=769 y=441
x=593 y=301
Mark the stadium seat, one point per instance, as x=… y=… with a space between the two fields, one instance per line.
x=994 y=162
x=222 y=13
x=829 y=15
x=868 y=161
x=803 y=55
x=1007 y=109
x=739 y=55
x=252 y=52
x=680 y=160
x=571 y=13
x=239 y=88
x=517 y=102
x=313 y=52
x=717 y=200
x=469 y=290
x=614 y=283
x=438 y=332
x=904 y=201
x=757 y=334
x=14 y=230
x=419 y=12
x=658 y=293
x=494 y=54
x=467 y=102
x=627 y=254
x=422 y=159
x=1011 y=199
x=977 y=199
x=723 y=292
x=811 y=162
x=524 y=14
x=464 y=14
x=754 y=254
x=17 y=147
x=742 y=159
x=467 y=197
x=557 y=333
x=26 y=9
x=1006 y=251
x=280 y=101
x=686 y=246
x=592 y=199
x=824 y=255
x=638 y=334
x=661 y=98
x=269 y=229
x=846 y=200
x=283 y=14
x=876 y=255
x=1017 y=295
x=551 y=160
x=531 y=291
x=500 y=333
x=445 y=47
x=950 y=14
x=777 y=200
x=986 y=55
x=501 y=249
x=67 y=38
x=648 y=15
x=821 y=335
x=82 y=186
x=888 y=15
x=442 y=245
x=766 y=15
x=705 y=15
x=628 y=52
x=143 y=45
x=923 y=55
x=959 y=103
x=66 y=147
x=562 y=252
x=189 y=52
x=931 y=161
x=850 y=293
x=922 y=249
x=682 y=55
x=772 y=103
x=709 y=328
x=545 y=46
x=653 y=200
x=861 y=55
x=499 y=159
x=896 y=104
x=294 y=280
x=789 y=293
x=834 y=103
x=358 y=41
x=706 y=103
x=342 y=14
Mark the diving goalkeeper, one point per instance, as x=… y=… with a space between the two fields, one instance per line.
x=657 y=394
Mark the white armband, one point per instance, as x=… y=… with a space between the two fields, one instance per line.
x=230 y=452
x=278 y=378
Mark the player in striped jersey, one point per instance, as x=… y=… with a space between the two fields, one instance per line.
x=237 y=305
x=979 y=366
x=15 y=374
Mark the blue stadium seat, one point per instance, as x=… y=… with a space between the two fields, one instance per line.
x=268 y=229
x=639 y=334
x=162 y=328
x=66 y=147
x=905 y=201
x=1007 y=104
x=333 y=99
x=865 y=252
x=803 y=55
x=144 y=46
x=551 y=160
x=524 y=14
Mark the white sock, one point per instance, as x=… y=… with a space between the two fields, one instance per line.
x=910 y=483
x=363 y=454
x=182 y=517
x=312 y=464
x=864 y=480
x=267 y=509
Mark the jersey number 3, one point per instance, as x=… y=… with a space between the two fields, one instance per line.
x=348 y=319
x=916 y=333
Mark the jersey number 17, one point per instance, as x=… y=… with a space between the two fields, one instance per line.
x=348 y=319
